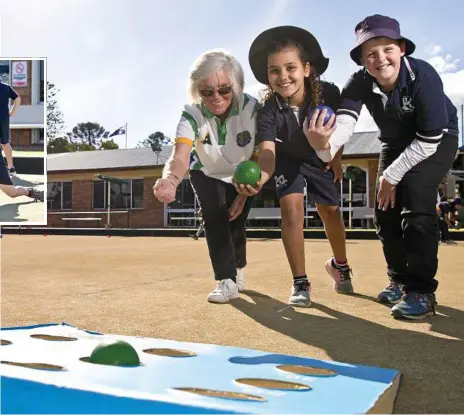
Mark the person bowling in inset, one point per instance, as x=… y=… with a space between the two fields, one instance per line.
x=7 y=93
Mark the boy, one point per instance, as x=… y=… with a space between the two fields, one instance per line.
x=419 y=133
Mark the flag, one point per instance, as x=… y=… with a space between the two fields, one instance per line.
x=119 y=131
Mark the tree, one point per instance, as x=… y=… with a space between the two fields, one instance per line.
x=60 y=145
x=108 y=145
x=154 y=139
x=90 y=133
x=55 y=120
x=84 y=147
x=65 y=144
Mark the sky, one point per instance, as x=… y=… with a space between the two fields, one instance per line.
x=127 y=61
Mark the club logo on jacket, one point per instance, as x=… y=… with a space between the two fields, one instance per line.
x=243 y=138
x=207 y=139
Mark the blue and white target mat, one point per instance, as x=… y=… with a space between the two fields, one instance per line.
x=44 y=370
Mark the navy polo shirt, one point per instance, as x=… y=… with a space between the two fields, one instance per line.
x=416 y=108
x=6 y=93
x=277 y=122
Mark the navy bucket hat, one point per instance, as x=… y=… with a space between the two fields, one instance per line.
x=378 y=26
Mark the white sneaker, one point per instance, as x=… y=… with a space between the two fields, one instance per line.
x=225 y=290
x=301 y=294
x=240 y=279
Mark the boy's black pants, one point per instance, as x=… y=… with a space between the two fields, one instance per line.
x=408 y=232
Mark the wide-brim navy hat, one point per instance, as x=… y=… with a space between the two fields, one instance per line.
x=258 y=53
x=378 y=26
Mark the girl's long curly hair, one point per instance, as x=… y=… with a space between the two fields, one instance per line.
x=312 y=83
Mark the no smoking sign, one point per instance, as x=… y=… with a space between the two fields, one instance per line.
x=19 y=75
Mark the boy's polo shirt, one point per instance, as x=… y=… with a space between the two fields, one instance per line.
x=219 y=146
x=416 y=108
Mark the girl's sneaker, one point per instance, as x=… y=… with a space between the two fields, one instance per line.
x=341 y=274
x=301 y=294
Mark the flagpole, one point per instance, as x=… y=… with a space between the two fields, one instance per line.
x=462 y=124
x=126 y=135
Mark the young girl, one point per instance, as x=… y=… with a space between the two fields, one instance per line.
x=289 y=60
x=419 y=133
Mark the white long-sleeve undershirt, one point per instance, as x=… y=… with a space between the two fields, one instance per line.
x=416 y=152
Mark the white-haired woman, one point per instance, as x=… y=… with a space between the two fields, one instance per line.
x=215 y=133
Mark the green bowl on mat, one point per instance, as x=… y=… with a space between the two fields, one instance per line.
x=115 y=353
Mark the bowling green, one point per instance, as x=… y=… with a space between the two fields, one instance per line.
x=157 y=287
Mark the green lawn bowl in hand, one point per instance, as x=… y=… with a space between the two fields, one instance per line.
x=247 y=173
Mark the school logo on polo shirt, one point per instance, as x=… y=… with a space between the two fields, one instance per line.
x=407 y=105
x=280 y=181
x=243 y=139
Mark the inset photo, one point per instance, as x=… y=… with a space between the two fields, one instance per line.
x=22 y=141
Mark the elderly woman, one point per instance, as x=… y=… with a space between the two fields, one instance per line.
x=215 y=133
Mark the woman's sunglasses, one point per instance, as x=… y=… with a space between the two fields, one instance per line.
x=223 y=90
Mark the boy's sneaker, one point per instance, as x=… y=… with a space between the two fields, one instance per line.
x=414 y=306
x=341 y=274
x=301 y=293
x=240 y=279
x=225 y=290
x=37 y=195
x=392 y=293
